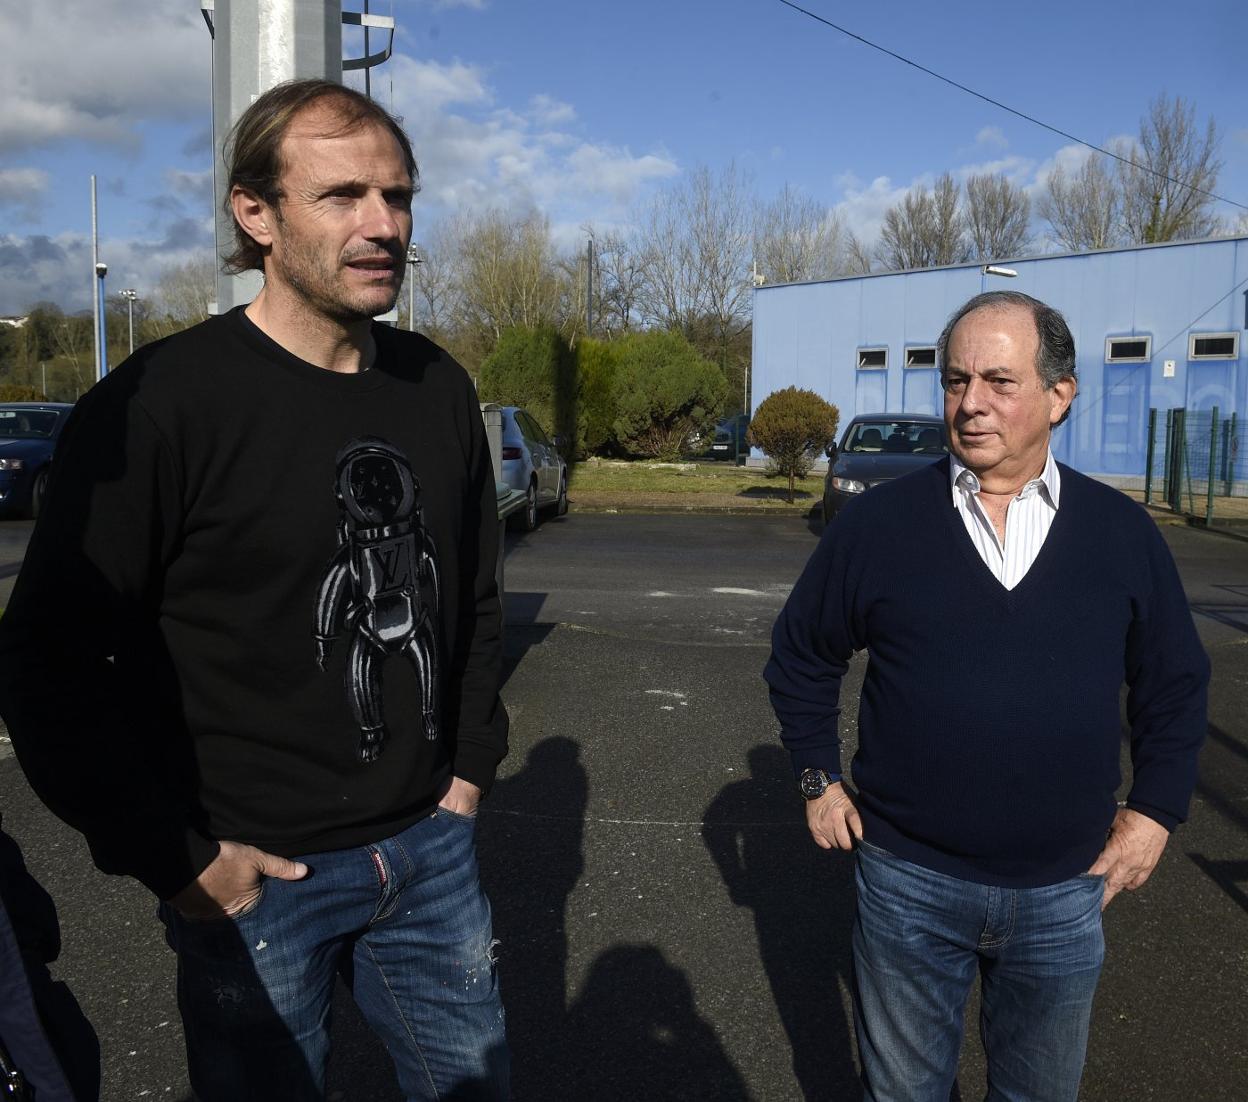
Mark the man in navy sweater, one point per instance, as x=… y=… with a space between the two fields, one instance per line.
x=1003 y=599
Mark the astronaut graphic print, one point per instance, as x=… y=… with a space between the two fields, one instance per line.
x=381 y=590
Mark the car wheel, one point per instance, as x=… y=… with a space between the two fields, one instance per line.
x=561 y=504
x=528 y=516
x=38 y=491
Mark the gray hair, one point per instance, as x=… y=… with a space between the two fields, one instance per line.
x=1055 y=353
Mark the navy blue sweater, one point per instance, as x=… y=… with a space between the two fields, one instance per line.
x=989 y=725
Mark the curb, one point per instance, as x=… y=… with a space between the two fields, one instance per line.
x=707 y=510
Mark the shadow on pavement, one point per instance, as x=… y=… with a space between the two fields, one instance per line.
x=521 y=629
x=633 y=1031
x=803 y=903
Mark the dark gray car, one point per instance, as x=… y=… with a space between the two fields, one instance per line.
x=878 y=447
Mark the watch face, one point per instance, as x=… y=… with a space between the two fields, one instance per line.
x=814 y=783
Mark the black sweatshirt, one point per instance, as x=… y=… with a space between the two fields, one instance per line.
x=988 y=731
x=260 y=603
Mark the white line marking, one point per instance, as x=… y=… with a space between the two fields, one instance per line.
x=735 y=592
x=665 y=692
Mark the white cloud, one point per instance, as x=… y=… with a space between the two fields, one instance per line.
x=548 y=111
x=864 y=205
x=1014 y=168
x=993 y=136
x=474 y=155
x=71 y=72
x=429 y=86
x=57 y=268
x=23 y=189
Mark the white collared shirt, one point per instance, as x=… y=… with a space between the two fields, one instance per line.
x=1027 y=520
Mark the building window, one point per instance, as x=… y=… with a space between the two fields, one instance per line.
x=1128 y=350
x=921 y=356
x=872 y=359
x=1213 y=346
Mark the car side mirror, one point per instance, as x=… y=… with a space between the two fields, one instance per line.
x=830 y=451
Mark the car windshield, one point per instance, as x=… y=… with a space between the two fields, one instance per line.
x=897 y=438
x=27 y=424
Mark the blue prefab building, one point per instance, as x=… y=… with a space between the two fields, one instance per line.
x=1159 y=326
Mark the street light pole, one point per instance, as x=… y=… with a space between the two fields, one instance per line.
x=130 y=295
x=413 y=258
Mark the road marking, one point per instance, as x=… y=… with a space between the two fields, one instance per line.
x=735 y=592
x=665 y=692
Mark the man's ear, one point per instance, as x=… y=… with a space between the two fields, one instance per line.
x=1062 y=394
x=253 y=214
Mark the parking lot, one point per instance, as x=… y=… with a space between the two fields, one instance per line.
x=668 y=930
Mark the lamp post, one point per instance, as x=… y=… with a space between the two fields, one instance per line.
x=131 y=296
x=413 y=258
x=101 y=323
x=986 y=270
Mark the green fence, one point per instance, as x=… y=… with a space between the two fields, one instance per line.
x=1198 y=465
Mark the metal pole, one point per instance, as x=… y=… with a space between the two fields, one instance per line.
x=1213 y=466
x=43 y=368
x=1169 y=468
x=1229 y=453
x=101 y=270
x=589 y=288
x=95 y=300
x=1152 y=450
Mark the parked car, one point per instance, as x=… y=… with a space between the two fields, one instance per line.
x=532 y=464
x=878 y=447
x=729 y=439
x=28 y=435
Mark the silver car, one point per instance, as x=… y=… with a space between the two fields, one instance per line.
x=532 y=464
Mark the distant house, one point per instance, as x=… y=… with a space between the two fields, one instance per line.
x=1157 y=326
x=13 y=323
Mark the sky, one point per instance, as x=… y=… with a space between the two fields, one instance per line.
x=583 y=109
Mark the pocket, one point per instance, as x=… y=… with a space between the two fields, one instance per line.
x=875 y=851
x=217 y=920
x=455 y=816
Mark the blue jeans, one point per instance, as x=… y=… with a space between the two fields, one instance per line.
x=919 y=939
x=404 y=921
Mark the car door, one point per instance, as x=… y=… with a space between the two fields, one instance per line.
x=540 y=454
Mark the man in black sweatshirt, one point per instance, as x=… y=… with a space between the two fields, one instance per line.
x=253 y=654
x=1003 y=599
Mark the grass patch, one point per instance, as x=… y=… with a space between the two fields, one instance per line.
x=695 y=479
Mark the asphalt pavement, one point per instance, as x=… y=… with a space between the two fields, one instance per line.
x=667 y=929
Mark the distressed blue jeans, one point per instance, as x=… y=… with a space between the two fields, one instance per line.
x=921 y=937
x=406 y=924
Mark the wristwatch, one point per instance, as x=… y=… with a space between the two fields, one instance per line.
x=813 y=783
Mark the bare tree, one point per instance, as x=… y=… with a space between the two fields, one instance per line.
x=797 y=238
x=857 y=255
x=997 y=216
x=925 y=229
x=183 y=296
x=435 y=280
x=697 y=243
x=1162 y=196
x=1083 y=208
x=508 y=274
x=619 y=280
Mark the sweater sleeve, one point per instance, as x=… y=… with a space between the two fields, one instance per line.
x=79 y=645
x=814 y=637
x=1167 y=673
x=472 y=710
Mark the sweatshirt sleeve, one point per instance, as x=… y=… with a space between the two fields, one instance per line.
x=79 y=645
x=1167 y=673
x=472 y=710
x=816 y=634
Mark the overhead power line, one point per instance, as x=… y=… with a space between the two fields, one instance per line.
x=1005 y=106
